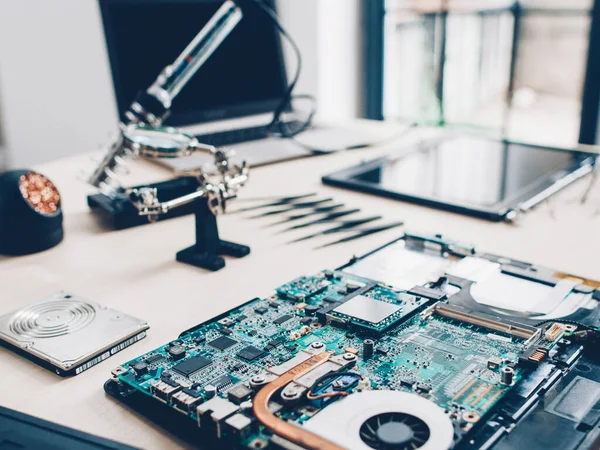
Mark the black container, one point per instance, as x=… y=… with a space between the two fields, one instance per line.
x=23 y=229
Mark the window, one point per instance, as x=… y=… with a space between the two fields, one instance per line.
x=523 y=69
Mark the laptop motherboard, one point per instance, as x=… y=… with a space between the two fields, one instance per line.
x=404 y=348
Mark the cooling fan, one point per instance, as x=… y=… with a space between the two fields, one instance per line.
x=68 y=334
x=395 y=431
x=384 y=420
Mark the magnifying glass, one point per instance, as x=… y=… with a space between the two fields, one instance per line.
x=162 y=142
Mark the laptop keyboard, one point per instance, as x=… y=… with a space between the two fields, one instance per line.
x=236 y=136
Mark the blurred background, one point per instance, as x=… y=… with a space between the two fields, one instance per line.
x=518 y=67
x=527 y=70
x=56 y=91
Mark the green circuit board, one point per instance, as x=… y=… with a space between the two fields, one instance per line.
x=397 y=340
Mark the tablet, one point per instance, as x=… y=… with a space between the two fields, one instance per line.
x=491 y=179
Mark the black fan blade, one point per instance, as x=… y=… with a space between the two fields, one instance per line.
x=404 y=437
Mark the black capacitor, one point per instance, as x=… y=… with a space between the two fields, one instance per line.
x=177 y=352
x=506 y=375
x=140 y=368
x=368 y=346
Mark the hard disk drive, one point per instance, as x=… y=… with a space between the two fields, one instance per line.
x=67 y=334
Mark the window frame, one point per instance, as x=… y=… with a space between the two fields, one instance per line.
x=374 y=42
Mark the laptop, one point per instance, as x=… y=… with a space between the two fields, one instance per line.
x=423 y=344
x=231 y=99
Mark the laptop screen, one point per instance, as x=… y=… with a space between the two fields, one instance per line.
x=244 y=76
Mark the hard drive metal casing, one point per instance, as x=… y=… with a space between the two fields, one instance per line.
x=67 y=334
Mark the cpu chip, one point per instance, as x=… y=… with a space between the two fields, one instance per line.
x=367 y=309
x=191 y=365
x=222 y=343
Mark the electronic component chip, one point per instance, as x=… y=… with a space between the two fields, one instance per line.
x=303 y=287
x=367 y=309
x=140 y=368
x=407 y=382
x=222 y=343
x=176 y=352
x=239 y=394
x=282 y=319
x=352 y=286
x=238 y=366
x=226 y=331
x=423 y=387
x=260 y=310
x=493 y=363
x=382 y=350
x=154 y=359
x=250 y=353
x=274 y=343
x=311 y=310
x=191 y=365
x=221 y=382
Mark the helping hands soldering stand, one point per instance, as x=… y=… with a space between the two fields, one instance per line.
x=208 y=248
x=208 y=202
x=140 y=135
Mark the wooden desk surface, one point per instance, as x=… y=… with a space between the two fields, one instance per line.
x=135 y=271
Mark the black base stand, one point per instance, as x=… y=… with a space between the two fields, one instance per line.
x=122 y=214
x=205 y=253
